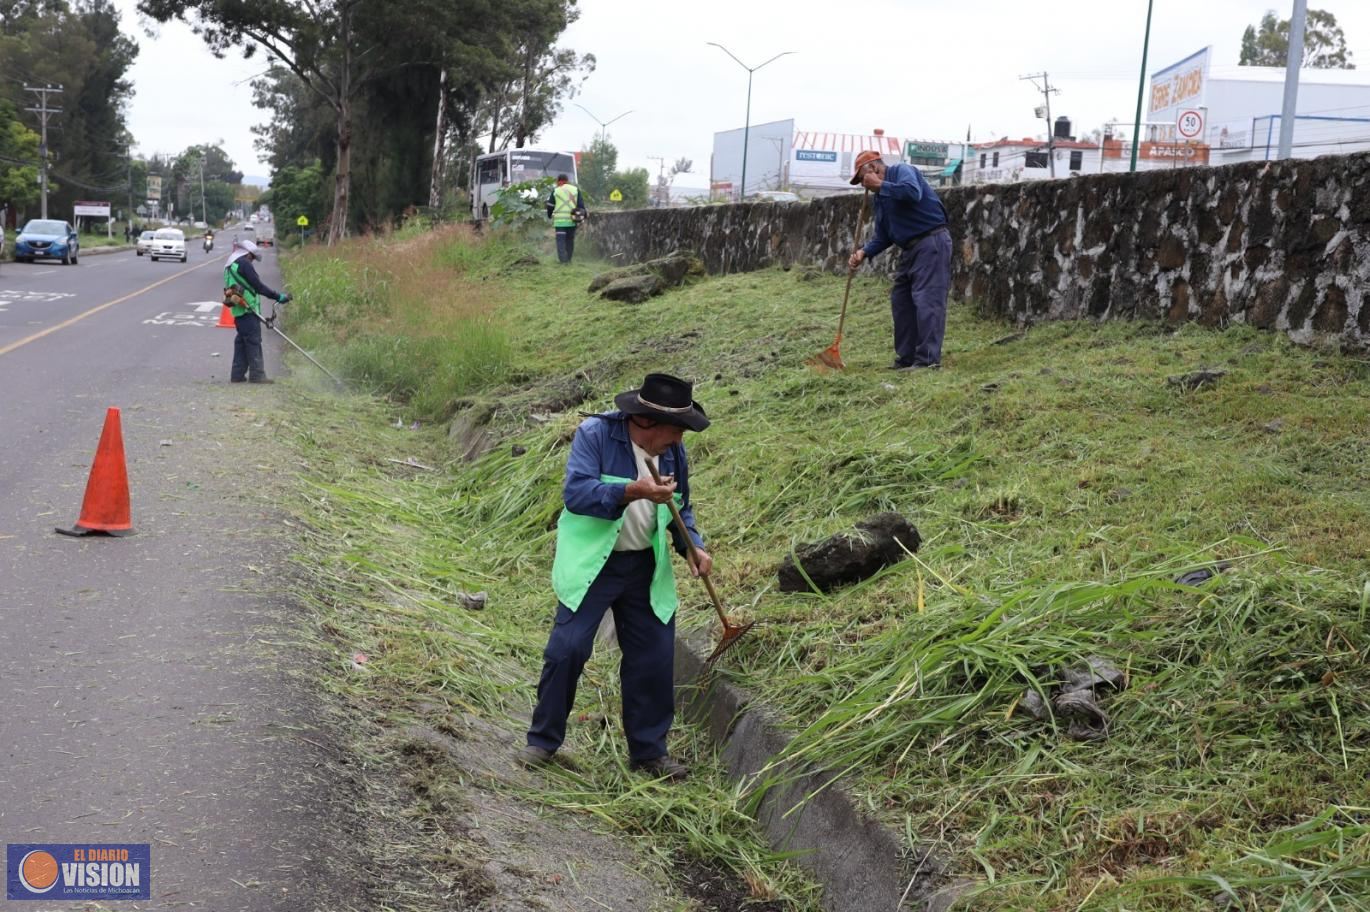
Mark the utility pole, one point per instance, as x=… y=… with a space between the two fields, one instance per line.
x=204 y=207
x=128 y=159
x=44 y=112
x=660 y=176
x=1047 y=91
x=1291 y=78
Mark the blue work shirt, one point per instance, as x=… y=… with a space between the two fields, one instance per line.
x=249 y=274
x=602 y=447
x=905 y=207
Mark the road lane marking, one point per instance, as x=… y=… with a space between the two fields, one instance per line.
x=45 y=272
x=94 y=310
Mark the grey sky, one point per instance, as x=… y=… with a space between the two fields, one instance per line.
x=923 y=70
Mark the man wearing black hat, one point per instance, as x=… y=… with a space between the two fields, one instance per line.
x=612 y=553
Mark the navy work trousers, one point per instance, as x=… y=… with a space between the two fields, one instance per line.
x=918 y=300
x=646 y=670
x=248 y=363
x=566 y=243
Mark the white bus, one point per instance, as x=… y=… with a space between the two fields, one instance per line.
x=493 y=172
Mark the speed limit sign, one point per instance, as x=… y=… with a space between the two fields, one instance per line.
x=1189 y=124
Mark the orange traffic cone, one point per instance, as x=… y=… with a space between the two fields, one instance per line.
x=226 y=319
x=106 y=509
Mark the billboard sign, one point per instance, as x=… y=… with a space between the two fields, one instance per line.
x=154 y=186
x=932 y=150
x=814 y=155
x=96 y=210
x=1178 y=87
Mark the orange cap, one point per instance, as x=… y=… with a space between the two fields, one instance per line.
x=861 y=160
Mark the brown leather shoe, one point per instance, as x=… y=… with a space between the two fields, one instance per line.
x=534 y=757
x=662 y=768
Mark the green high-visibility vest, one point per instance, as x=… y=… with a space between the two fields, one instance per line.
x=564 y=200
x=233 y=278
x=584 y=544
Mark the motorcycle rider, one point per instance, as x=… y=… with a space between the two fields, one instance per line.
x=209 y=239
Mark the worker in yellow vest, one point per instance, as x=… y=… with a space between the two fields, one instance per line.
x=566 y=209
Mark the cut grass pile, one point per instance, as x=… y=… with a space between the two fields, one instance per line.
x=1060 y=483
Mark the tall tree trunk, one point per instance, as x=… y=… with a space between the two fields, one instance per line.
x=439 y=133
x=521 y=133
x=342 y=179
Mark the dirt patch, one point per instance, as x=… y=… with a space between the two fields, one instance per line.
x=716 y=889
x=454 y=827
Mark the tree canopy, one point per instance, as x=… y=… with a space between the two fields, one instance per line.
x=1324 y=44
x=78 y=46
x=355 y=85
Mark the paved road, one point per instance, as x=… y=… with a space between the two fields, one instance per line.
x=146 y=699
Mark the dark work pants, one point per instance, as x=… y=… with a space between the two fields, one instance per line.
x=566 y=243
x=646 y=670
x=918 y=300
x=248 y=363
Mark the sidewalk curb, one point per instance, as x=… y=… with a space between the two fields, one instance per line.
x=862 y=865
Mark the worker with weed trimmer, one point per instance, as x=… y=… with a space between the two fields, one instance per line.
x=909 y=215
x=626 y=469
x=243 y=289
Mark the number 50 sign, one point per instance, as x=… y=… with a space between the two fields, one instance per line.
x=1189 y=124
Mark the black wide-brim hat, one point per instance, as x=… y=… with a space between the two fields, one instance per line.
x=664 y=398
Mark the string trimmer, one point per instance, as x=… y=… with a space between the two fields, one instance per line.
x=731 y=632
x=271 y=324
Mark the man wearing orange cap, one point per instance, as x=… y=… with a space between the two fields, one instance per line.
x=909 y=215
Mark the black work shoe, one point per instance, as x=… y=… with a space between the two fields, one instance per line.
x=237 y=379
x=661 y=768
x=917 y=367
x=262 y=380
x=898 y=365
x=534 y=757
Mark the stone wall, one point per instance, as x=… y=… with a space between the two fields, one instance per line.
x=1279 y=245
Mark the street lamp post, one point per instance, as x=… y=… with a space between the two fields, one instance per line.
x=603 y=124
x=1141 y=87
x=747 y=124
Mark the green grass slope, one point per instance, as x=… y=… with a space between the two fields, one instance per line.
x=1060 y=483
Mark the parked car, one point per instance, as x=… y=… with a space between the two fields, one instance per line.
x=145 y=242
x=773 y=196
x=47 y=239
x=169 y=244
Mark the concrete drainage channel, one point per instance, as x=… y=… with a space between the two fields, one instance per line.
x=862 y=865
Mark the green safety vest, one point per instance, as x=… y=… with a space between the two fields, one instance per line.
x=564 y=199
x=584 y=544
x=232 y=278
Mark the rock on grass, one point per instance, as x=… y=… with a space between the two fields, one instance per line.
x=850 y=557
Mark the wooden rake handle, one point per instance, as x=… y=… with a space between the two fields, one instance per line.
x=851 y=273
x=690 y=546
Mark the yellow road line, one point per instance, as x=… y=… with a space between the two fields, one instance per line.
x=94 y=310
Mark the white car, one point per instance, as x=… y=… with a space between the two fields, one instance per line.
x=145 y=242
x=168 y=243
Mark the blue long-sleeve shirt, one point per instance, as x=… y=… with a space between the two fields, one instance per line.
x=602 y=447
x=249 y=274
x=905 y=207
